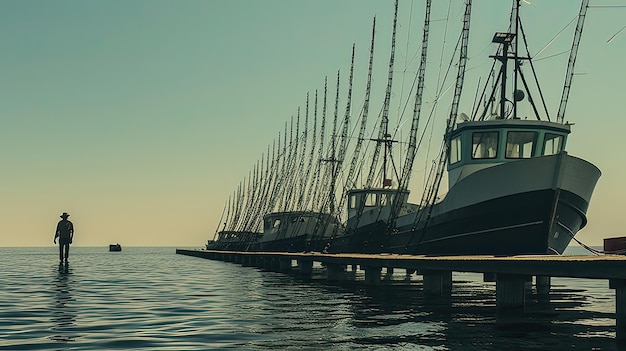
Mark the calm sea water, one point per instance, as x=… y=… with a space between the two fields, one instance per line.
x=153 y=299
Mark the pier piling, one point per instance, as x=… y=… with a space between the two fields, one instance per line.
x=437 y=283
x=620 y=307
x=542 y=284
x=336 y=271
x=510 y=292
x=284 y=265
x=372 y=275
x=305 y=267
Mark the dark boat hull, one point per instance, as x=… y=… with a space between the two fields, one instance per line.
x=293 y=231
x=512 y=225
x=300 y=243
x=476 y=219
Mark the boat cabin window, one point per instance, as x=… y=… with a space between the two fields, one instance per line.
x=455 y=150
x=520 y=144
x=385 y=199
x=553 y=144
x=297 y=219
x=371 y=200
x=484 y=145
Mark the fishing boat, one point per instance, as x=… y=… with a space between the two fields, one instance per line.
x=512 y=186
x=232 y=240
x=294 y=231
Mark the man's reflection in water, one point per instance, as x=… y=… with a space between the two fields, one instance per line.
x=63 y=314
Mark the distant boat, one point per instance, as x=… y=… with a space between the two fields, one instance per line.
x=115 y=247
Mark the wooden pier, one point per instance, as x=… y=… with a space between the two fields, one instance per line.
x=511 y=273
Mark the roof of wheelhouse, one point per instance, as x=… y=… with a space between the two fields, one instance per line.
x=511 y=123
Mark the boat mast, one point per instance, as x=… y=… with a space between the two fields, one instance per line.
x=332 y=159
x=227 y=221
x=293 y=150
x=412 y=148
x=430 y=195
x=346 y=118
x=293 y=181
x=315 y=175
x=350 y=182
x=280 y=167
x=306 y=184
x=383 y=128
x=572 y=60
x=316 y=188
x=266 y=182
x=252 y=196
x=383 y=135
x=219 y=223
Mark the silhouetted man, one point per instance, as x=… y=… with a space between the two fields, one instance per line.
x=65 y=234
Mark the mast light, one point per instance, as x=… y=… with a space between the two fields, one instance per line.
x=502 y=38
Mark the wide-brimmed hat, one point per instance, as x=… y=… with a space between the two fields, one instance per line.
x=65 y=215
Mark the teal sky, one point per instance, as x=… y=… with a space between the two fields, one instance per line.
x=140 y=118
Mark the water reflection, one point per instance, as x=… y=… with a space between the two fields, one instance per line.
x=397 y=313
x=63 y=309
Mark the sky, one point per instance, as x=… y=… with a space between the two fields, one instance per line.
x=140 y=118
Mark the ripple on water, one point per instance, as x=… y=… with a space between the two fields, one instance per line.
x=150 y=298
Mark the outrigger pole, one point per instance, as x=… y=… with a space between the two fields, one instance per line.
x=572 y=60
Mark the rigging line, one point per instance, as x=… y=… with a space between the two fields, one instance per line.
x=535 y=77
x=441 y=91
x=439 y=86
x=607 y=6
x=614 y=35
x=555 y=37
x=554 y=55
